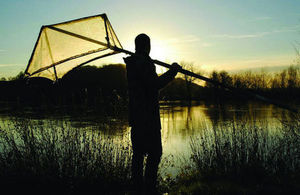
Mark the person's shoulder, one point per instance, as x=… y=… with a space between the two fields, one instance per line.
x=135 y=59
x=130 y=60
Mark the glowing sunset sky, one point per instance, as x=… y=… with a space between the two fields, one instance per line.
x=220 y=35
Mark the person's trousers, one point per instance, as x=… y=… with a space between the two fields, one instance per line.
x=145 y=141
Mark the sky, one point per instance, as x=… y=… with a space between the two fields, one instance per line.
x=227 y=35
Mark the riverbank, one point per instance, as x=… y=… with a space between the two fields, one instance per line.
x=230 y=158
x=241 y=159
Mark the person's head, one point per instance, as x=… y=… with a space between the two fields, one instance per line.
x=142 y=44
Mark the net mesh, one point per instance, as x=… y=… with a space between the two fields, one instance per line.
x=62 y=47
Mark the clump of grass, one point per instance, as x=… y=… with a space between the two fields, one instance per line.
x=243 y=158
x=59 y=158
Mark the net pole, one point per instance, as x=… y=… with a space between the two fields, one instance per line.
x=244 y=93
x=183 y=71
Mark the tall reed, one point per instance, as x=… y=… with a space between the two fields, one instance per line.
x=243 y=157
x=58 y=156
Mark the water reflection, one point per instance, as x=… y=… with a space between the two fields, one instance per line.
x=179 y=123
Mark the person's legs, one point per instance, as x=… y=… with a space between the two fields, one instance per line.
x=151 y=171
x=137 y=169
x=137 y=160
x=153 y=160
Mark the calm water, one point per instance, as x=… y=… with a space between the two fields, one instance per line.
x=179 y=123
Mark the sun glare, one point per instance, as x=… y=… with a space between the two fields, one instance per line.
x=160 y=52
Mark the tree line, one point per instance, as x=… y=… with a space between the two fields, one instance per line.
x=284 y=84
x=107 y=85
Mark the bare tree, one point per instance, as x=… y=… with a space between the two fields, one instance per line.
x=188 y=79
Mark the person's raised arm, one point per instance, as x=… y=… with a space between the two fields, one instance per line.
x=168 y=76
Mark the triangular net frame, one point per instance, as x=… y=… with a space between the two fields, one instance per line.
x=64 y=46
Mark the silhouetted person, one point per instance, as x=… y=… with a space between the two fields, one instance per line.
x=144 y=118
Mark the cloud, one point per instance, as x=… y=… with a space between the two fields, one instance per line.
x=188 y=39
x=287 y=29
x=292 y=28
x=184 y=39
x=262 y=18
x=243 y=36
x=206 y=45
x=295 y=14
x=10 y=65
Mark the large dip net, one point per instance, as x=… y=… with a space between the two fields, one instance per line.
x=64 y=46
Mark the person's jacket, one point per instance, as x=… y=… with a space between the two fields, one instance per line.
x=143 y=88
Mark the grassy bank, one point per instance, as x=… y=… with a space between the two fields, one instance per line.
x=235 y=158
x=229 y=158
x=55 y=159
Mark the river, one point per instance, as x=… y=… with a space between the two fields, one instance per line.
x=179 y=123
